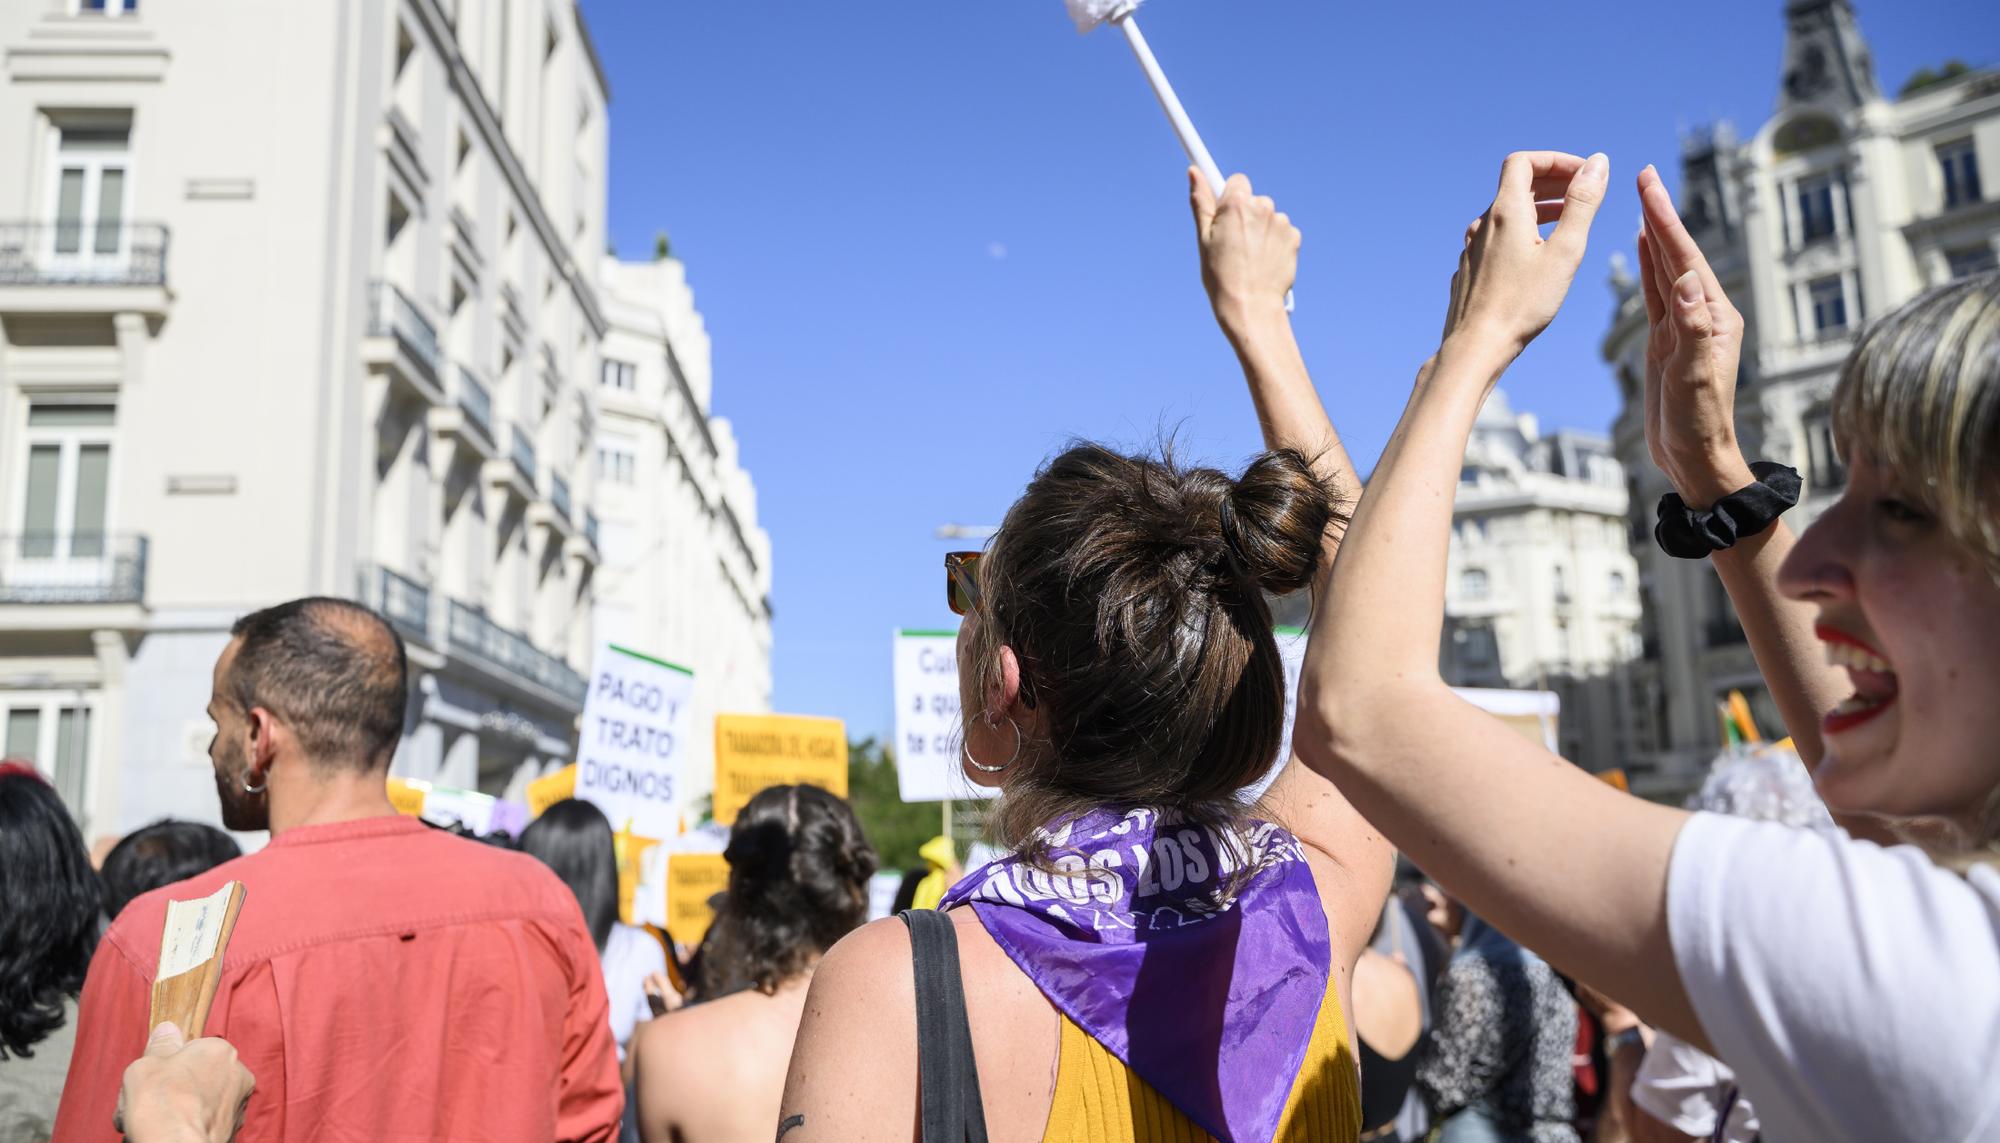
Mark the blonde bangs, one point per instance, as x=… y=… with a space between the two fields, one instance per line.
x=1920 y=397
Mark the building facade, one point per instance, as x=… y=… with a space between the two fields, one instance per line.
x=320 y=317
x=1845 y=205
x=1541 y=591
x=687 y=573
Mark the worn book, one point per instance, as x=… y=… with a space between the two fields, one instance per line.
x=191 y=950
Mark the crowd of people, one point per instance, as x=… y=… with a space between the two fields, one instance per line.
x=1153 y=957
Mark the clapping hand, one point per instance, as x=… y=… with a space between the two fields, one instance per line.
x=1511 y=280
x=1692 y=351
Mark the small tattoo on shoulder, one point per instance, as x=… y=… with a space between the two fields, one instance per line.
x=786 y=1124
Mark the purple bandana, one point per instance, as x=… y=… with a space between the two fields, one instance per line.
x=1210 y=1001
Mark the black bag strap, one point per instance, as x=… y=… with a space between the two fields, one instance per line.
x=947 y=1075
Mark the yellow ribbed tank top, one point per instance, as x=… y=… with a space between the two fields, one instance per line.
x=1100 y=1100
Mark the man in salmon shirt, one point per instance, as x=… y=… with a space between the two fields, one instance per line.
x=386 y=981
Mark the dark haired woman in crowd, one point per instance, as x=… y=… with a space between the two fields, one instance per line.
x=49 y=901
x=573 y=838
x=1155 y=960
x=798 y=881
x=1853 y=987
x=161 y=854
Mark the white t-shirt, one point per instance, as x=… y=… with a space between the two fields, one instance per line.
x=1854 y=989
x=630 y=954
x=1686 y=1088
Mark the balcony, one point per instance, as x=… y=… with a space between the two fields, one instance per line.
x=514 y=473
x=467 y=421
x=84 y=568
x=402 y=343
x=512 y=654
x=64 y=267
x=402 y=601
x=559 y=495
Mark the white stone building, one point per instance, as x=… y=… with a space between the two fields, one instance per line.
x=296 y=298
x=687 y=573
x=1843 y=206
x=1541 y=591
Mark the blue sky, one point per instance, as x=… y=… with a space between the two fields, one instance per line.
x=934 y=243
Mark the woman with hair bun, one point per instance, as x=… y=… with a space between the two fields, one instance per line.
x=1156 y=958
x=798 y=881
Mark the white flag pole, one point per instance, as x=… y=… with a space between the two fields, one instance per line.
x=1197 y=151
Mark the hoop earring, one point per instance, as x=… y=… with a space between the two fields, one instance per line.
x=983 y=768
x=250 y=789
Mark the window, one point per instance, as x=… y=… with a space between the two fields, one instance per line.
x=65 y=481
x=618 y=375
x=616 y=464
x=1617 y=585
x=89 y=192
x=1829 y=305
x=1971 y=260
x=107 y=7
x=51 y=731
x=1561 y=578
x=1472 y=583
x=1824 y=471
x=1478 y=649
x=1959 y=162
x=1816 y=208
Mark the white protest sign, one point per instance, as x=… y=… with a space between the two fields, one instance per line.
x=634 y=744
x=927 y=728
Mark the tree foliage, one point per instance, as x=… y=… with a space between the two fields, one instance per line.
x=1931 y=77
x=894 y=827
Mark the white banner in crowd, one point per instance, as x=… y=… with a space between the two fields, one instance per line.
x=633 y=747
x=1533 y=713
x=927 y=768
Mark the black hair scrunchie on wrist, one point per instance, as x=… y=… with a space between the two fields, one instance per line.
x=1690 y=535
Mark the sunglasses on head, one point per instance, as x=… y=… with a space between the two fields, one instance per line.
x=961 y=582
x=961 y=593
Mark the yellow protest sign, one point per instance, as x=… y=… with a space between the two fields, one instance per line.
x=549 y=789
x=753 y=751
x=408 y=798
x=693 y=878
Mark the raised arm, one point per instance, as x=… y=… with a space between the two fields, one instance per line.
x=1542 y=850
x=1249 y=256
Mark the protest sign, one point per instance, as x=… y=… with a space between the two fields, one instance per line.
x=693 y=878
x=441 y=805
x=549 y=789
x=927 y=728
x=755 y=751
x=633 y=744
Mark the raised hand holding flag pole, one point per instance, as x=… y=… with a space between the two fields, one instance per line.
x=1089 y=14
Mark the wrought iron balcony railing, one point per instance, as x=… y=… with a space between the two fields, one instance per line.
x=474 y=399
x=559 y=494
x=73 y=254
x=524 y=456
x=391 y=313
x=401 y=600
x=80 y=567
x=472 y=633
